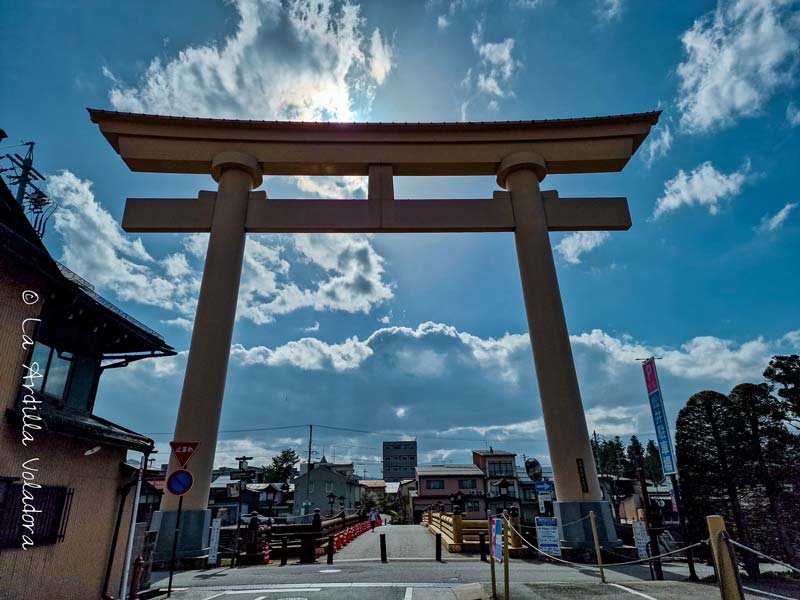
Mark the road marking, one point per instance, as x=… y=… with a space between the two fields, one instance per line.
x=770 y=594
x=409 y=592
x=275 y=591
x=634 y=592
x=330 y=570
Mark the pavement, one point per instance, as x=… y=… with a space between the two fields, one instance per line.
x=412 y=573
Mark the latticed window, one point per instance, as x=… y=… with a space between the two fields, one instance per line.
x=49 y=525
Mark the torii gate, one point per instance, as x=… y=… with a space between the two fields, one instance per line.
x=520 y=153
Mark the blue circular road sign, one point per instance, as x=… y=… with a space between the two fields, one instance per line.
x=180 y=482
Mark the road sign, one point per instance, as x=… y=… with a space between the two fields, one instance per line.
x=183 y=451
x=547 y=535
x=213 y=543
x=659 y=416
x=243 y=475
x=180 y=482
x=496 y=547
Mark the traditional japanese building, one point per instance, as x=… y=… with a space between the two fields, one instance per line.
x=66 y=494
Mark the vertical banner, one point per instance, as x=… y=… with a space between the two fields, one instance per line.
x=659 y=416
x=496 y=547
x=547 y=535
x=213 y=543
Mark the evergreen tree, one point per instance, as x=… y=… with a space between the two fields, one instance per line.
x=709 y=438
x=652 y=463
x=784 y=373
x=282 y=466
x=766 y=443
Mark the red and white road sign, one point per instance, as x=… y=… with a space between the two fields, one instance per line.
x=183 y=451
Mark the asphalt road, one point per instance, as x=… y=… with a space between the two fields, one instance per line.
x=412 y=573
x=402 y=541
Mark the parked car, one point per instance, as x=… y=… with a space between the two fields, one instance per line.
x=245 y=519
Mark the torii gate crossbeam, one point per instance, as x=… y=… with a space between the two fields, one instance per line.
x=520 y=154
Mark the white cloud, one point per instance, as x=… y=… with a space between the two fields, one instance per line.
x=300 y=59
x=704 y=186
x=657 y=146
x=442 y=22
x=737 y=57
x=96 y=248
x=574 y=245
x=776 y=221
x=180 y=323
x=793 y=114
x=609 y=10
x=381 y=57
x=400 y=411
x=492 y=75
x=312 y=328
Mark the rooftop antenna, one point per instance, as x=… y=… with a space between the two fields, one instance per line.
x=36 y=204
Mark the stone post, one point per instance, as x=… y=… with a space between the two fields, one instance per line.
x=576 y=482
x=207 y=363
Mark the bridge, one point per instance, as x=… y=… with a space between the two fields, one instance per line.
x=412 y=573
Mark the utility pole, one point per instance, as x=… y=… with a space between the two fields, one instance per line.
x=308 y=470
x=36 y=203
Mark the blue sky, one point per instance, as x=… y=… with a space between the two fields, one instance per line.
x=436 y=346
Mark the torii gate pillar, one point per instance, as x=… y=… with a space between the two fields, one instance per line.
x=204 y=380
x=574 y=471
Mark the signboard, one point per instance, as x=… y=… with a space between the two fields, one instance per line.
x=183 y=451
x=180 y=482
x=496 y=547
x=547 y=535
x=545 y=492
x=641 y=538
x=243 y=475
x=659 y=416
x=213 y=542
x=233 y=490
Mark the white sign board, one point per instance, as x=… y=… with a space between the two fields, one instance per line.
x=641 y=538
x=544 y=497
x=547 y=535
x=213 y=542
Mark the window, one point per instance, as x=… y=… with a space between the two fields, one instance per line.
x=51 y=523
x=501 y=469
x=473 y=506
x=434 y=484
x=328 y=486
x=66 y=379
x=467 y=484
x=311 y=488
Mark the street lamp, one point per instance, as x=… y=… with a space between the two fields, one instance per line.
x=341 y=502
x=270 y=493
x=331 y=500
x=457 y=500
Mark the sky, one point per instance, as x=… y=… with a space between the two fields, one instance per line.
x=425 y=336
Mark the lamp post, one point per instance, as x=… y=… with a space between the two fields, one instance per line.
x=457 y=499
x=341 y=503
x=270 y=493
x=331 y=500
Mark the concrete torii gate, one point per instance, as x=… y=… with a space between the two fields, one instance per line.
x=239 y=153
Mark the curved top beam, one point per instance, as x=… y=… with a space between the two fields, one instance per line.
x=164 y=144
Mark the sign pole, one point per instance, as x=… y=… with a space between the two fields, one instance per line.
x=492 y=547
x=174 y=545
x=598 y=554
x=506 y=591
x=673 y=478
x=235 y=560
